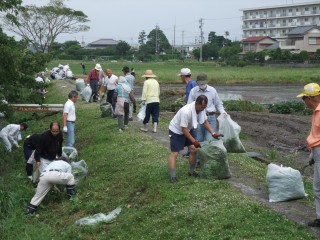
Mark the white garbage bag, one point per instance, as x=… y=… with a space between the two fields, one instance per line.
x=69 y=74
x=39 y=79
x=80 y=84
x=86 y=93
x=142 y=112
x=231 y=131
x=71 y=153
x=285 y=183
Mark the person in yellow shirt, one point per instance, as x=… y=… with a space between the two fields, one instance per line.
x=151 y=97
x=311 y=97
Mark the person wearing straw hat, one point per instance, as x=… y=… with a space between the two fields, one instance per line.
x=311 y=97
x=93 y=81
x=151 y=97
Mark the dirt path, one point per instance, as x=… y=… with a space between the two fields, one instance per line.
x=264 y=131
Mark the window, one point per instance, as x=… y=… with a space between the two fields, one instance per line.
x=306 y=9
x=297 y=10
x=290 y=20
x=290 y=10
x=306 y=19
x=314 y=8
x=312 y=40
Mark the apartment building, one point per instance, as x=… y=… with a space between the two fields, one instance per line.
x=277 y=21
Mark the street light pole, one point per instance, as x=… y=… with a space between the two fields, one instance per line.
x=201 y=38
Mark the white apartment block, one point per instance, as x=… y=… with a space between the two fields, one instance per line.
x=276 y=21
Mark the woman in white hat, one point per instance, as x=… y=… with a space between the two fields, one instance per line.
x=93 y=81
x=151 y=97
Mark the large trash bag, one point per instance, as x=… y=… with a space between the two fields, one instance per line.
x=106 y=109
x=284 y=183
x=86 y=93
x=231 y=130
x=79 y=170
x=80 y=84
x=71 y=153
x=213 y=160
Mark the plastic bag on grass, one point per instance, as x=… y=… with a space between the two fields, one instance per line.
x=71 y=153
x=79 y=170
x=86 y=93
x=285 y=183
x=142 y=112
x=106 y=109
x=231 y=130
x=99 y=217
x=213 y=160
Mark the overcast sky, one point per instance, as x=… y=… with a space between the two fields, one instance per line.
x=125 y=19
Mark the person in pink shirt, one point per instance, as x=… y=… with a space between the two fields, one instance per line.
x=311 y=97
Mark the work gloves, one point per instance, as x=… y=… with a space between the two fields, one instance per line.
x=216 y=136
x=196 y=144
x=65 y=129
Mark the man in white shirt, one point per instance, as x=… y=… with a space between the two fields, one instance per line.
x=214 y=105
x=57 y=172
x=181 y=133
x=110 y=84
x=11 y=134
x=69 y=118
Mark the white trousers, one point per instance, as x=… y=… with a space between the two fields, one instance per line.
x=47 y=180
x=316 y=178
x=6 y=142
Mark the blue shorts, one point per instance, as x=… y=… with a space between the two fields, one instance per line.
x=178 y=142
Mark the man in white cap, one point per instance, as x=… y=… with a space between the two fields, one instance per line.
x=185 y=75
x=93 y=81
x=151 y=97
x=214 y=104
x=311 y=97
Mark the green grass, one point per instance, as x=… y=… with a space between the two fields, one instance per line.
x=129 y=169
x=167 y=72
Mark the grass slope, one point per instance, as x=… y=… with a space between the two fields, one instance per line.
x=129 y=169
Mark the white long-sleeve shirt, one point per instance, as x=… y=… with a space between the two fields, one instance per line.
x=12 y=132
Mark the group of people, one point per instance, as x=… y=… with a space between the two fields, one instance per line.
x=193 y=123
x=43 y=153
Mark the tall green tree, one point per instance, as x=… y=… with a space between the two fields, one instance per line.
x=41 y=26
x=123 y=48
x=157 y=41
x=142 y=37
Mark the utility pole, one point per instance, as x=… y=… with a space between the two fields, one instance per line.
x=156 y=39
x=201 y=37
x=182 y=45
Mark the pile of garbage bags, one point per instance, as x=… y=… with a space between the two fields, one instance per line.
x=61 y=72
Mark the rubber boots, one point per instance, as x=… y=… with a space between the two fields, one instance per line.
x=155 y=125
x=144 y=128
x=71 y=191
x=31 y=209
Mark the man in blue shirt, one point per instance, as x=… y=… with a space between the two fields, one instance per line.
x=185 y=75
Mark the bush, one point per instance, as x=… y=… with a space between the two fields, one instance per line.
x=289 y=107
x=243 y=106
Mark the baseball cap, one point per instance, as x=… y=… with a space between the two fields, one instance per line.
x=184 y=72
x=126 y=69
x=310 y=90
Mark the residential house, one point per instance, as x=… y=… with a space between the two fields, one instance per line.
x=102 y=43
x=305 y=38
x=257 y=44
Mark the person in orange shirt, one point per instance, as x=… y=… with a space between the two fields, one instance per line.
x=311 y=97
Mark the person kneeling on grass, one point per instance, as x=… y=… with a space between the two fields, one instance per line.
x=181 y=132
x=57 y=172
